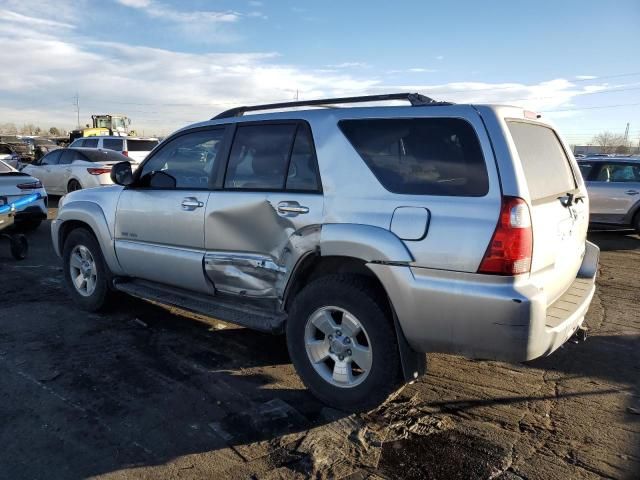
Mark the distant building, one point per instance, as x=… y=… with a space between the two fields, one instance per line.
x=594 y=149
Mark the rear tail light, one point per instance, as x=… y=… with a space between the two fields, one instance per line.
x=125 y=153
x=98 y=171
x=511 y=247
x=30 y=185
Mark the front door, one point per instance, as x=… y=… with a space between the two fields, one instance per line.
x=268 y=214
x=160 y=220
x=44 y=170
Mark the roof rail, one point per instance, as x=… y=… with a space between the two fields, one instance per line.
x=416 y=100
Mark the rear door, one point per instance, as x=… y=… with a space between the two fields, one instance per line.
x=559 y=209
x=268 y=213
x=614 y=189
x=160 y=220
x=44 y=170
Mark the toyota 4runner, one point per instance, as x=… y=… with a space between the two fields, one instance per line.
x=368 y=235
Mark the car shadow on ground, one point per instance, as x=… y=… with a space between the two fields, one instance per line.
x=614 y=239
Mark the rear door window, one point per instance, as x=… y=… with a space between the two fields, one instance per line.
x=141 y=145
x=51 y=158
x=90 y=143
x=112 y=144
x=260 y=157
x=545 y=163
x=421 y=156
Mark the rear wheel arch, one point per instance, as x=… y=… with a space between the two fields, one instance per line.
x=313 y=266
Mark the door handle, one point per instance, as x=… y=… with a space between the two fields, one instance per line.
x=292 y=208
x=191 y=203
x=632 y=192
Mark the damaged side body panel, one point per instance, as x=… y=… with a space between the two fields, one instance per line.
x=259 y=264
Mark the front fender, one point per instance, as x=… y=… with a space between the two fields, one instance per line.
x=93 y=216
x=366 y=242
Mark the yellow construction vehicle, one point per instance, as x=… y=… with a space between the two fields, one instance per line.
x=115 y=125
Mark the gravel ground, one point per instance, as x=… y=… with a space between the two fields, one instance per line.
x=148 y=392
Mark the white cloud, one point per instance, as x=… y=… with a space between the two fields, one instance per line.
x=421 y=70
x=348 y=65
x=15 y=17
x=162 y=90
x=135 y=3
x=160 y=10
x=585 y=77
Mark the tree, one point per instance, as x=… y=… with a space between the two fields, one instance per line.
x=609 y=141
x=8 y=128
x=54 y=131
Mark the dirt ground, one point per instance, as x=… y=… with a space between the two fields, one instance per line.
x=145 y=392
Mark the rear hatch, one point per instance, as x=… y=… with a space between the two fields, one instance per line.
x=559 y=210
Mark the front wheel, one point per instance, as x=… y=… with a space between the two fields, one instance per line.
x=85 y=272
x=342 y=342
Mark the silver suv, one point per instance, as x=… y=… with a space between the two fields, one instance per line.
x=368 y=235
x=614 y=189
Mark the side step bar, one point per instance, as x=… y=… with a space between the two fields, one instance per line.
x=244 y=314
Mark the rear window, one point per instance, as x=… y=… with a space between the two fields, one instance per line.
x=545 y=163
x=103 y=156
x=421 y=156
x=141 y=145
x=112 y=144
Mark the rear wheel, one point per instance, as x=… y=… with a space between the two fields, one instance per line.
x=636 y=222
x=342 y=343
x=73 y=186
x=85 y=271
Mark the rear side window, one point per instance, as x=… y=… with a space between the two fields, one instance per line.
x=69 y=156
x=545 y=163
x=585 y=170
x=141 y=145
x=112 y=144
x=421 y=156
x=90 y=143
x=260 y=156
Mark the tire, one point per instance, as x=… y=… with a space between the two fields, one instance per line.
x=19 y=246
x=636 y=223
x=73 y=185
x=92 y=292
x=344 y=299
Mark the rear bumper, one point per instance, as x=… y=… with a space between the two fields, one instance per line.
x=483 y=316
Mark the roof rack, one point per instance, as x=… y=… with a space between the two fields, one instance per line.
x=416 y=100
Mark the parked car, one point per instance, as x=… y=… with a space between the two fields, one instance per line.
x=41 y=146
x=614 y=189
x=18 y=145
x=15 y=185
x=368 y=235
x=67 y=169
x=134 y=148
x=8 y=155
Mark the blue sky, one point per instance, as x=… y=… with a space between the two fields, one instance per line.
x=166 y=64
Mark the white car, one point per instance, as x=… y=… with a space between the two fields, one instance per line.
x=68 y=169
x=136 y=148
x=15 y=185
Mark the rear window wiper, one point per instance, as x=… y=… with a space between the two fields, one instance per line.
x=569 y=199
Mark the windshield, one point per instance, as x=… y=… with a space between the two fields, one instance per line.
x=4 y=168
x=118 y=122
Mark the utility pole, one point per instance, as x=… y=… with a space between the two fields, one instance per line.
x=77 y=104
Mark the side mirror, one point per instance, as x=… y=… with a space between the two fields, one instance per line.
x=121 y=174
